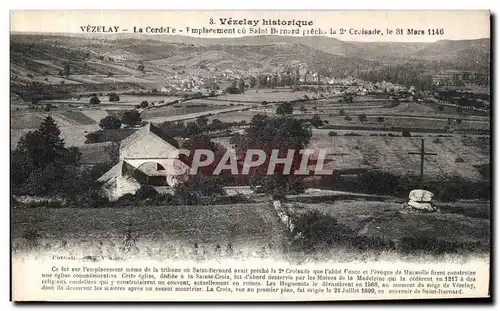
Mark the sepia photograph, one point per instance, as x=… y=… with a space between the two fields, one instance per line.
x=299 y=138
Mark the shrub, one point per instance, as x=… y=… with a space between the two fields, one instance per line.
x=144 y=104
x=406 y=134
x=347 y=118
x=94 y=100
x=146 y=192
x=113 y=97
x=110 y=122
x=131 y=118
x=362 y=117
x=437 y=140
x=316 y=229
x=332 y=133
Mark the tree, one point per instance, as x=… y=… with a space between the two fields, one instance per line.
x=201 y=190
x=192 y=129
x=131 y=118
x=39 y=165
x=241 y=86
x=144 y=104
x=362 y=117
x=341 y=112
x=94 y=100
x=316 y=121
x=202 y=122
x=380 y=119
x=458 y=121
x=113 y=97
x=406 y=134
x=253 y=81
x=110 y=123
x=141 y=68
x=284 y=108
x=233 y=89
x=268 y=134
x=440 y=107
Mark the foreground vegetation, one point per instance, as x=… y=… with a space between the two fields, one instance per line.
x=344 y=231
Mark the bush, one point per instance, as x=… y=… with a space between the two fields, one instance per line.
x=131 y=118
x=347 y=118
x=113 y=97
x=332 y=133
x=316 y=230
x=406 y=134
x=144 y=104
x=110 y=123
x=437 y=140
x=146 y=192
x=201 y=190
x=94 y=100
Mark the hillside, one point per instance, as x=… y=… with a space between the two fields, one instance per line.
x=97 y=64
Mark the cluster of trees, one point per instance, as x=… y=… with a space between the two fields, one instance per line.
x=237 y=87
x=267 y=134
x=200 y=126
x=129 y=118
x=41 y=165
x=271 y=81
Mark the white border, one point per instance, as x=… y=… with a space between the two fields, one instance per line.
x=193 y=5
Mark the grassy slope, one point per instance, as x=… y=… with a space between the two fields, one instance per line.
x=455 y=222
x=247 y=227
x=391 y=154
x=251 y=229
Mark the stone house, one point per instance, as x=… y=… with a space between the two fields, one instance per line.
x=146 y=157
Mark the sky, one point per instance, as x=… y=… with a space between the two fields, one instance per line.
x=446 y=25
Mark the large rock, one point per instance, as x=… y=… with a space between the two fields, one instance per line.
x=420 y=195
x=420 y=200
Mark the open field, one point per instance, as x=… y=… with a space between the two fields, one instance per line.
x=390 y=154
x=457 y=156
x=167 y=230
x=163 y=114
x=240 y=231
x=72 y=135
x=269 y=95
x=127 y=100
x=455 y=222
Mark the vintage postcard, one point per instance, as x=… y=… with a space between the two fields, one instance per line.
x=250 y=155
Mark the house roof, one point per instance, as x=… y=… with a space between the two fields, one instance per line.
x=113 y=172
x=145 y=130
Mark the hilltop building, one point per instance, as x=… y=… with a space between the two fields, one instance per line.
x=146 y=157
